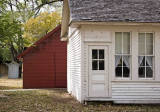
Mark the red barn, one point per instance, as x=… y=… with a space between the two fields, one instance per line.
x=45 y=63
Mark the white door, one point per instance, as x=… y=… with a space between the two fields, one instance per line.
x=98 y=71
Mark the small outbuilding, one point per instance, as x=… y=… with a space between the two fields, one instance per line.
x=45 y=63
x=3 y=70
x=13 y=70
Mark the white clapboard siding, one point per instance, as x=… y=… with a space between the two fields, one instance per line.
x=135 y=91
x=92 y=35
x=74 y=64
x=121 y=90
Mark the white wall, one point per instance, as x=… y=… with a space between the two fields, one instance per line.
x=13 y=71
x=133 y=87
x=74 y=68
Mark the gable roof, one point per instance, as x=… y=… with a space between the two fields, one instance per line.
x=115 y=10
x=38 y=42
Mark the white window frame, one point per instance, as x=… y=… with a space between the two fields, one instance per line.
x=124 y=55
x=145 y=78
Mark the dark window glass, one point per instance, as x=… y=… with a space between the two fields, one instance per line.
x=147 y=63
x=94 y=54
x=94 y=65
x=126 y=72
x=141 y=72
x=149 y=72
x=124 y=64
x=101 y=54
x=142 y=61
x=101 y=65
x=118 y=71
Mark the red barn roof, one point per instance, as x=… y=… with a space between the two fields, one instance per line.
x=20 y=56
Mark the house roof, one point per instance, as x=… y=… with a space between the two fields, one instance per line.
x=38 y=42
x=115 y=10
x=12 y=63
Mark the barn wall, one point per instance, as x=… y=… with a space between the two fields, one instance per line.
x=45 y=66
x=133 y=89
x=74 y=63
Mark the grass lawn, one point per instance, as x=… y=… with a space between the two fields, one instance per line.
x=6 y=83
x=55 y=100
x=58 y=100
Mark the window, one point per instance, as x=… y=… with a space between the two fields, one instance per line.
x=98 y=61
x=122 y=54
x=145 y=52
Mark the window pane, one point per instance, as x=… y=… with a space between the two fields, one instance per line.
x=126 y=61
x=101 y=65
x=101 y=54
x=149 y=72
x=141 y=72
x=145 y=48
x=118 y=42
x=94 y=54
x=149 y=37
x=94 y=65
x=118 y=71
x=141 y=60
x=124 y=64
x=141 y=49
x=120 y=62
x=126 y=72
x=126 y=43
x=141 y=38
x=149 y=61
x=149 y=49
x=126 y=48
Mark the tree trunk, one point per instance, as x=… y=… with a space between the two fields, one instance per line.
x=20 y=70
x=14 y=58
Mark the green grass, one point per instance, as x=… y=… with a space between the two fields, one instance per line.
x=58 y=100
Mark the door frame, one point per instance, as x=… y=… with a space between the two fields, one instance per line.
x=109 y=66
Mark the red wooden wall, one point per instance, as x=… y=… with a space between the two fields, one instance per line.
x=45 y=66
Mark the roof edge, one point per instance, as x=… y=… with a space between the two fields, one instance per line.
x=75 y=24
x=20 y=56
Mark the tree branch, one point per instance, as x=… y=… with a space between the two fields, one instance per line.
x=46 y=2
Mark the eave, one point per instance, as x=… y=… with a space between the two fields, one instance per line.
x=75 y=24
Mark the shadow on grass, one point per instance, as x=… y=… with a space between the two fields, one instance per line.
x=59 y=100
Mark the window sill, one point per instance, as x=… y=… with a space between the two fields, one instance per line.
x=145 y=79
x=135 y=81
x=122 y=79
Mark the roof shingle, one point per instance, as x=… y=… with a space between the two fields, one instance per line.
x=115 y=10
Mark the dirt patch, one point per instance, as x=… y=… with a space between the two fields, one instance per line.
x=6 y=84
x=2 y=96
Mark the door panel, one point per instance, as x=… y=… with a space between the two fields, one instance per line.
x=98 y=71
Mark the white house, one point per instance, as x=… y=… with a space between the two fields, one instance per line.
x=113 y=50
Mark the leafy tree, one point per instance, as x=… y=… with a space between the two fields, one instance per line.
x=36 y=28
x=13 y=14
x=5 y=55
x=34 y=6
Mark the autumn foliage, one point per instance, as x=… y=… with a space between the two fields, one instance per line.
x=36 y=28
